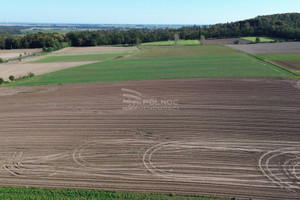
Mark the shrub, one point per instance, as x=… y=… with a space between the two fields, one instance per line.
x=20 y=57
x=1 y=81
x=30 y=74
x=202 y=39
x=11 y=78
x=257 y=40
x=1 y=60
x=236 y=42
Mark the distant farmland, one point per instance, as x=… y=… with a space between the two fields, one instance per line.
x=264 y=39
x=172 y=43
x=269 y=48
x=93 y=56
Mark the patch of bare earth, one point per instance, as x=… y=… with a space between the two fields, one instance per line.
x=268 y=48
x=290 y=64
x=15 y=53
x=17 y=69
x=226 y=41
x=224 y=137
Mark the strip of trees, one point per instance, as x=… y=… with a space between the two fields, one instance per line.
x=49 y=42
x=281 y=25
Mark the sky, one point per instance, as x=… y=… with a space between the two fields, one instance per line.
x=140 y=11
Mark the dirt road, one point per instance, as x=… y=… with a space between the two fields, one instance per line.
x=224 y=137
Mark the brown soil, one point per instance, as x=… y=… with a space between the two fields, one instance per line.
x=15 y=53
x=224 y=137
x=267 y=48
x=17 y=69
x=226 y=41
x=290 y=64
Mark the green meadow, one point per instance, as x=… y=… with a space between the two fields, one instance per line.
x=264 y=39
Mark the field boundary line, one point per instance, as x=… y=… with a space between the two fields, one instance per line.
x=275 y=65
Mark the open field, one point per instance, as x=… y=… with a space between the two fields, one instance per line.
x=182 y=51
x=269 y=48
x=172 y=43
x=84 y=57
x=226 y=41
x=87 y=50
x=73 y=54
x=17 y=69
x=63 y=59
x=264 y=39
x=290 y=64
x=224 y=137
x=152 y=62
x=15 y=53
x=231 y=65
x=72 y=194
x=290 y=61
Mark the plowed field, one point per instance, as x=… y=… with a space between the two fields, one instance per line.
x=224 y=137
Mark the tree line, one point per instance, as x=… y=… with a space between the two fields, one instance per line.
x=285 y=26
x=49 y=42
x=281 y=25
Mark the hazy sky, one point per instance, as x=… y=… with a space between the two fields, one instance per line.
x=141 y=11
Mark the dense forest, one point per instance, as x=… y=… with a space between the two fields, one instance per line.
x=280 y=25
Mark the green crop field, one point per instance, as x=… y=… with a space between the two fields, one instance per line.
x=202 y=61
x=84 y=57
x=231 y=65
x=279 y=56
x=172 y=43
x=12 y=193
x=182 y=51
x=264 y=39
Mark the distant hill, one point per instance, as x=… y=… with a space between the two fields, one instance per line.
x=286 y=26
x=279 y=25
